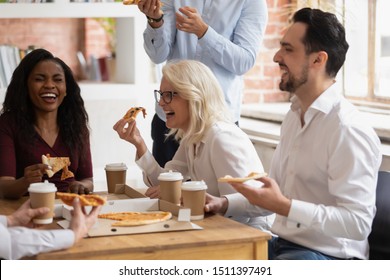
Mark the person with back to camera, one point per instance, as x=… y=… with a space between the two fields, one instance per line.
x=224 y=35
x=18 y=240
x=212 y=146
x=43 y=113
x=323 y=174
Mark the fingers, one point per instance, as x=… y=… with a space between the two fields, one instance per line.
x=125 y=128
x=153 y=192
x=34 y=173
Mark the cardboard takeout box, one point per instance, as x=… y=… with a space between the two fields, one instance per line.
x=180 y=216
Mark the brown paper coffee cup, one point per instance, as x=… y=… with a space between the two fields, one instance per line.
x=43 y=195
x=170 y=186
x=194 y=197
x=115 y=174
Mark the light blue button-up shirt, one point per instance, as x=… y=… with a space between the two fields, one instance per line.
x=229 y=47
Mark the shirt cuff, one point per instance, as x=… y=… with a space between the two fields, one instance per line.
x=208 y=38
x=301 y=213
x=236 y=205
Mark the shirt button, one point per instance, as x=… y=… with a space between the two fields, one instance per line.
x=298 y=225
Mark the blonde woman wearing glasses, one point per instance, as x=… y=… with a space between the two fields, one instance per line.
x=211 y=145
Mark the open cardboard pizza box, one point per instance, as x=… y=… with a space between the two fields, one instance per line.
x=180 y=217
x=123 y=191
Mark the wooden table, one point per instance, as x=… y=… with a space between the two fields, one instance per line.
x=221 y=238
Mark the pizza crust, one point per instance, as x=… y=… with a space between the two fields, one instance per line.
x=128 y=219
x=251 y=176
x=130 y=2
x=85 y=199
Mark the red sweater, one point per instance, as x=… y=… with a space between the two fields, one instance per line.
x=16 y=155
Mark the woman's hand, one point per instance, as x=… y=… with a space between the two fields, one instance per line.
x=153 y=192
x=34 y=173
x=81 y=187
x=128 y=131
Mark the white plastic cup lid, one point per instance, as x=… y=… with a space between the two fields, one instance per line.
x=44 y=187
x=116 y=166
x=170 y=176
x=194 y=186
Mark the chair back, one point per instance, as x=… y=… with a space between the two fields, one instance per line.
x=379 y=238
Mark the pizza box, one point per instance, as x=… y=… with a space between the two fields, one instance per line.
x=122 y=191
x=180 y=220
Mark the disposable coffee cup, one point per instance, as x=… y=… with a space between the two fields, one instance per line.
x=194 y=197
x=43 y=195
x=115 y=174
x=170 y=186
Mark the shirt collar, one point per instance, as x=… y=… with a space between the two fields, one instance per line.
x=324 y=103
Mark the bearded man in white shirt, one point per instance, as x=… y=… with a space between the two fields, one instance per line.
x=323 y=174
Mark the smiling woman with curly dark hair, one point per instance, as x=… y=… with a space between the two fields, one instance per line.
x=43 y=113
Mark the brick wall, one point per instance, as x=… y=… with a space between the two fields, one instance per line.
x=64 y=37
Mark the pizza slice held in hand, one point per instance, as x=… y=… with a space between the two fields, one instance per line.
x=57 y=164
x=133 y=112
x=250 y=176
x=85 y=199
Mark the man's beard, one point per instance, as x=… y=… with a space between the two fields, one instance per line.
x=293 y=83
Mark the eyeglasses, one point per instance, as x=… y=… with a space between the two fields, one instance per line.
x=166 y=96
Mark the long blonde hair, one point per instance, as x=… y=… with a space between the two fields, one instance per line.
x=195 y=82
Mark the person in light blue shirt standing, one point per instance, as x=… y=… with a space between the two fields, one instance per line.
x=224 y=35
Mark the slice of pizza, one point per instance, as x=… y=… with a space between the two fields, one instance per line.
x=127 y=219
x=250 y=176
x=85 y=199
x=130 y=2
x=133 y=112
x=57 y=164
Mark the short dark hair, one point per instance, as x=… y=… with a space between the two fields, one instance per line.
x=324 y=33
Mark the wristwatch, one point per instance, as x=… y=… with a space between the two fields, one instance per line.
x=150 y=20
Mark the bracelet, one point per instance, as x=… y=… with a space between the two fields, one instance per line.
x=151 y=20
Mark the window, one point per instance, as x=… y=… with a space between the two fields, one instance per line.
x=366 y=73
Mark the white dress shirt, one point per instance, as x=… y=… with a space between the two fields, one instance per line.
x=329 y=169
x=18 y=242
x=225 y=150
x=229 y=47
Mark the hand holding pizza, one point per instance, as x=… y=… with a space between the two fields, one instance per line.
x=128 y=131
x=268 y=196
x=81 y=222
x=151 y=8
x=34 y=173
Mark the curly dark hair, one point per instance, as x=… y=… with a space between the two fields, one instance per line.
x=72 y=118
x=324 y=33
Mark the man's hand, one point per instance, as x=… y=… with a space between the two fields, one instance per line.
x=24 y=215
x=82 y=222
x=151 y=8
x=268 y=197
x=189 y=20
